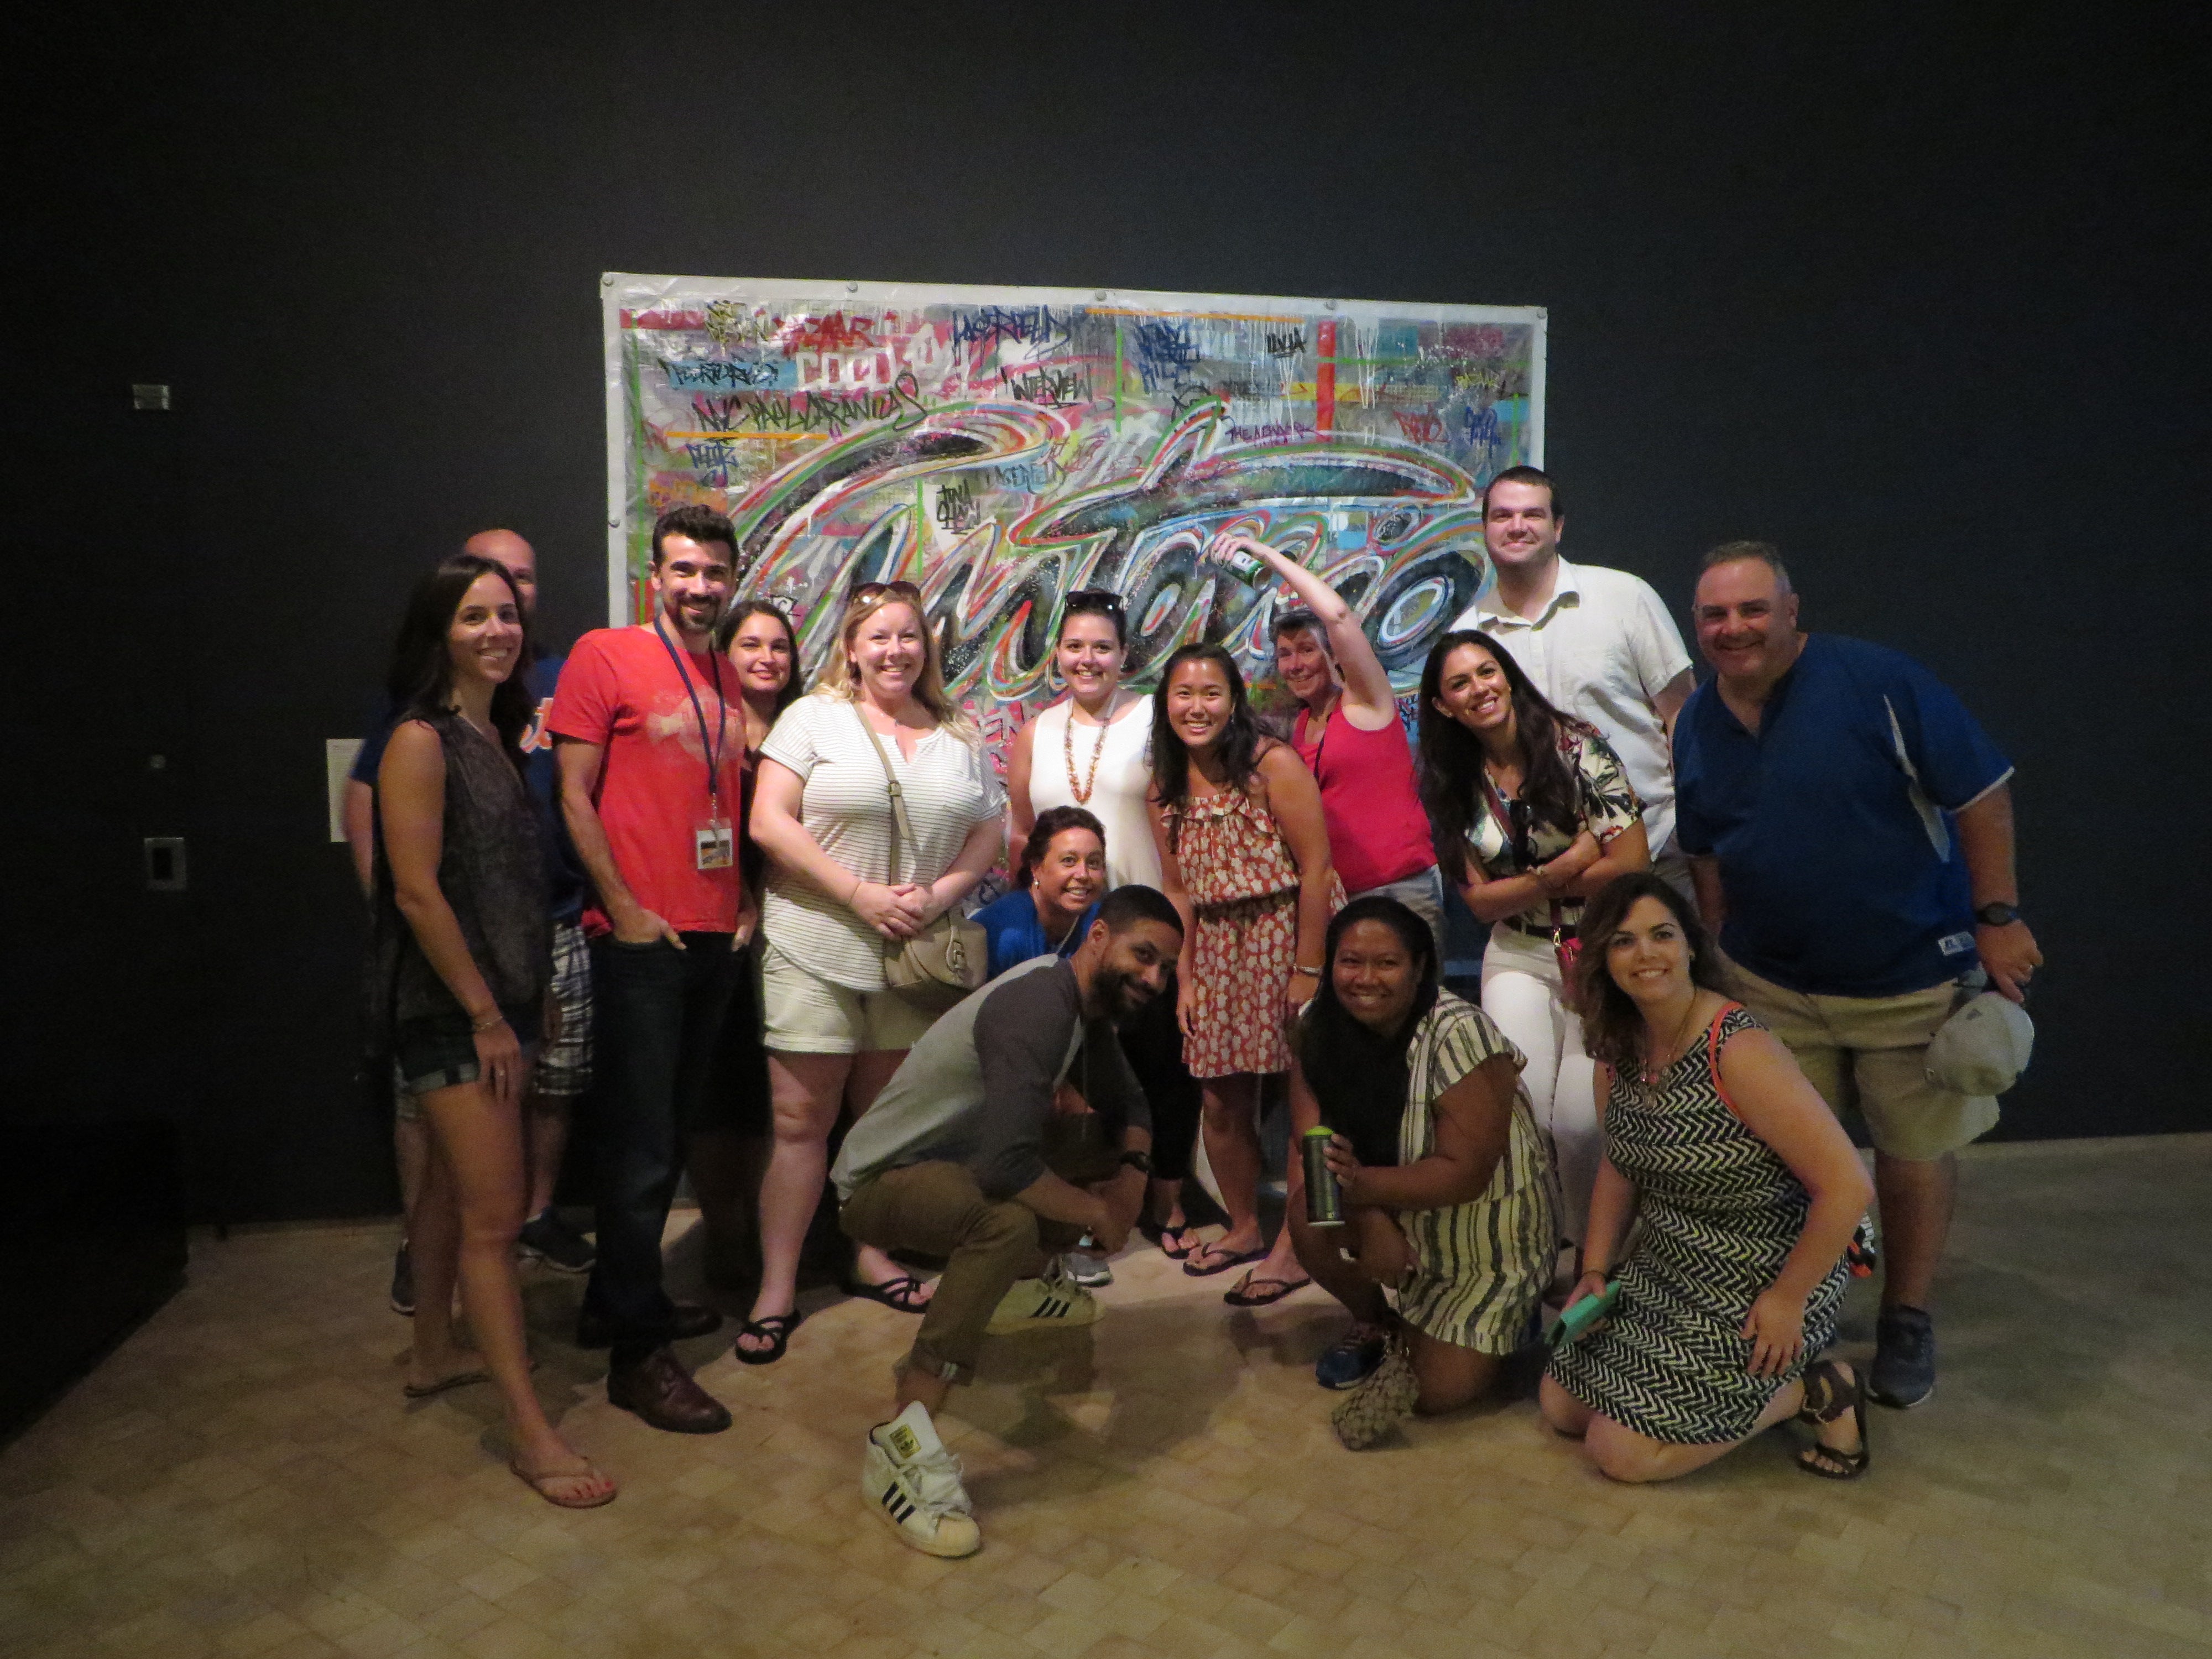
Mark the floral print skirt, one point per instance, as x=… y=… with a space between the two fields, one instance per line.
x=1239 y=967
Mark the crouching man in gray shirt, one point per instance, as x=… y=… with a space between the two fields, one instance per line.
x=976 y=1151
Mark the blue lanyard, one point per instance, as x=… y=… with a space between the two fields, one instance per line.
x=715 y=745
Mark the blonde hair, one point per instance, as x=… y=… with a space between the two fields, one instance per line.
x=839 y=677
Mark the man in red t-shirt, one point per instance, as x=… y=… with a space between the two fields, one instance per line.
x=653 y=776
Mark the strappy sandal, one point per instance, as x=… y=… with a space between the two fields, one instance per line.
x=777 y=1328
x=897 y=1294
x=1826 y=1379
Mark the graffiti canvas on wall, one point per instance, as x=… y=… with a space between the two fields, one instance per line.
x=1003 y=446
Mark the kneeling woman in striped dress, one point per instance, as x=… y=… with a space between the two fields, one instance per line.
x=1448 y=1202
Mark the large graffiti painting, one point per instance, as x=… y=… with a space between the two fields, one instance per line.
x=1004 y=447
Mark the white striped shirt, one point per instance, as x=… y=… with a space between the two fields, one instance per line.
x=949 y=787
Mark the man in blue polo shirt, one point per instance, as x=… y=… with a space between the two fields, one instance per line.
x=1849 y=833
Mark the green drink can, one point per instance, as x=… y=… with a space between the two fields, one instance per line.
x=1324 y=1198
x=1246 y=568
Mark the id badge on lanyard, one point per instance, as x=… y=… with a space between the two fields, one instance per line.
x=713 y=837
x=716 y=841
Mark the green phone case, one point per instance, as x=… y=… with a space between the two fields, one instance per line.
x=1581 y=1315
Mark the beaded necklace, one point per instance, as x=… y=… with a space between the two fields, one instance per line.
x=1082 y=791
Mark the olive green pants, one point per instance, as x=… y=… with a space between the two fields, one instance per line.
x=938 y=1209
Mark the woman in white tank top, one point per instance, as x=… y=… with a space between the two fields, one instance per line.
x=1089 y=749
x=1077 y=761
x=1092 y=748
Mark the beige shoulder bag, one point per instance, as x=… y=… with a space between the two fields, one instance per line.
x=950 y=955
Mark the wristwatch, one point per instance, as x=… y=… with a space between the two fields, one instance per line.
x=1141 y=1162
x=1997 y=914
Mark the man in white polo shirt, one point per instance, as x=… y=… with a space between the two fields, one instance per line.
x=1597 y=643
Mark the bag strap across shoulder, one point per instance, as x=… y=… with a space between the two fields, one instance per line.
x=901 y=829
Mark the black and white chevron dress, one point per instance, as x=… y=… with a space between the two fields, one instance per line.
x=1719 y=1214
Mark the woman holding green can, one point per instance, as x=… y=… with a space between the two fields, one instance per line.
x=1450 y=1215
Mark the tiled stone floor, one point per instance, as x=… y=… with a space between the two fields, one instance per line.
x=242 y=1478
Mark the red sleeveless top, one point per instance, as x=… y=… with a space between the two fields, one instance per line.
x=1377 y=832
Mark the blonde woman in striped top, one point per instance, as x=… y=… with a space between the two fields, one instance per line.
x=835 y=1029
x=1448 y=1200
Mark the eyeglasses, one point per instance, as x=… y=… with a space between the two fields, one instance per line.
x=1094 y=598
x=867 y=590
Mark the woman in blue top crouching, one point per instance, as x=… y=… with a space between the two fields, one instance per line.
x=1057 y=881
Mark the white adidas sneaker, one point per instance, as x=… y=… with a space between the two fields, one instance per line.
x=914 y=1483
x=1054 y=1302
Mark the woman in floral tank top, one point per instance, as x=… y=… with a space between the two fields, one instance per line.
x=1245 y=857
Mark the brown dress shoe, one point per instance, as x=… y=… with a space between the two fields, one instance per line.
x=659 y=1389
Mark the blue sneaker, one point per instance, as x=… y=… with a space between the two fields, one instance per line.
x=1904 y=1373
x=1353 y=1359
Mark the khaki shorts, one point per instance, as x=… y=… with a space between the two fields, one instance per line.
x=804 y=1013
x=1871 y=1053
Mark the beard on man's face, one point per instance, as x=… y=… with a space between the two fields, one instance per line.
x=1119 y=997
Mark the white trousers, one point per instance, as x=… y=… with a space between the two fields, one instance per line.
x=1520 y=992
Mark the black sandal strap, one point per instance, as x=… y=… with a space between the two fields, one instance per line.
x=1835 y=1399
x=1830 y=1462
x=777 y=1328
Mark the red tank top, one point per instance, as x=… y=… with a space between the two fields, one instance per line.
x=1377 y=832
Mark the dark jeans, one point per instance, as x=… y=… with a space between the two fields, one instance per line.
x=659 y=1013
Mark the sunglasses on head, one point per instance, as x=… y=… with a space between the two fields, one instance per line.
x=1094 y=598
x=867 y=590
x=1523 y=820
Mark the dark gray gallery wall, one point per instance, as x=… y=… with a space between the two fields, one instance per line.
x=1915 y=293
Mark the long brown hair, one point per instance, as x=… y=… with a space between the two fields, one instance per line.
x=1238 y=748
x=1450 y=772
x=1359 y=1078
x=1612 y=1023
x=420 y=681
x=727 y=633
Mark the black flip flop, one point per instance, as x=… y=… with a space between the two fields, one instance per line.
x=1242 y=1296
x=777 y=1327
x=892 y=1293
x=1183 y=1236
x=458 y=1380
x=1257 y=1253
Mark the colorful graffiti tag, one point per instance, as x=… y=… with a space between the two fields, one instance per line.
x=1004 y=447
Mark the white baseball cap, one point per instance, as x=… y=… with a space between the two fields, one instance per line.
x=1983 y=1047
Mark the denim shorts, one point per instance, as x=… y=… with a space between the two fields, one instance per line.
x=439 y=1051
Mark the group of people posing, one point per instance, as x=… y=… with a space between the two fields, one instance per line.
x=1719 y=917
